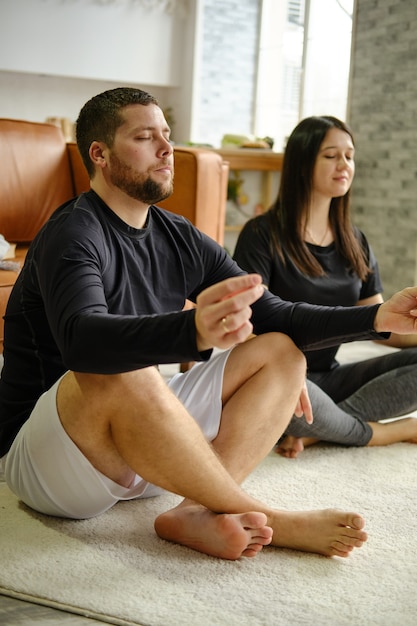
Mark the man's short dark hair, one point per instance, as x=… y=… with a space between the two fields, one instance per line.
x=101 y=116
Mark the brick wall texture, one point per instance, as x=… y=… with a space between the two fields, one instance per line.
x=383 y=117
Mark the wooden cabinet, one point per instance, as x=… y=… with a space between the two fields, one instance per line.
x=266 y=162
x=267 y=165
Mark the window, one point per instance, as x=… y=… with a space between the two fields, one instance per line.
x=304 y=64
x=296 y=12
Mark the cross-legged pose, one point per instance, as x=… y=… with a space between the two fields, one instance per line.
x=87 y=419
x=306 y=249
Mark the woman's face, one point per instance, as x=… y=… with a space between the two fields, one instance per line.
x=335 y=166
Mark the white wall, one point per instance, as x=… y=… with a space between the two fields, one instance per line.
x=56 y=54
x=117 y=41
x=35 y=97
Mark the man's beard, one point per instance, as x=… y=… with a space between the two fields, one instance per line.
x=138 y=186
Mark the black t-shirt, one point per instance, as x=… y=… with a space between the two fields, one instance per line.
x=340 y=286
x=96 y=295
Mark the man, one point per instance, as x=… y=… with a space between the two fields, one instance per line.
x=86 y=418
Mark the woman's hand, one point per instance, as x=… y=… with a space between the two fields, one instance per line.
x=304 y=406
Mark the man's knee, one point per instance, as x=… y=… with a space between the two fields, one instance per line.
x=274 y=351
x=281 y=348
x=103 y=395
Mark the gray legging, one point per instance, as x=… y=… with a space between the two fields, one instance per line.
x=345 y=398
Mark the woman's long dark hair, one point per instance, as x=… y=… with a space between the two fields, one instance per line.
x=287 y=215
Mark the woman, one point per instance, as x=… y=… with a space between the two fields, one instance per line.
x=306 y=249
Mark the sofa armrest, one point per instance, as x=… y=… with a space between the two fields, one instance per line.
x=200 y=190
x=80 y=179
x=7 y=280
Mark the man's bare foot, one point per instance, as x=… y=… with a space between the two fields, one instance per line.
x=227 y=536
x=329 y=532
x=291 y=447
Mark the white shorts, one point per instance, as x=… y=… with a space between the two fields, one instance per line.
x=47 y=471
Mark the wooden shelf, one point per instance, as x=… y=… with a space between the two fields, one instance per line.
x=267 y=162
x=252 y=159
x=233 y=228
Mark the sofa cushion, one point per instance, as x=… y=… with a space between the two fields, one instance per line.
x=36 y=177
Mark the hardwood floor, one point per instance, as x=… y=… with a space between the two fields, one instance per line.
x=18 y=613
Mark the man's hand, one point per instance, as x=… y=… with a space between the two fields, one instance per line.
x=399 y=313
x=223 y=311
x=304 y=406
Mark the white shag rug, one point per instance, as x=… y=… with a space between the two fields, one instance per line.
x=114 y=568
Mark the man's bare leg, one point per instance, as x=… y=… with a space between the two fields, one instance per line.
x=328 y=532
x=134 y=425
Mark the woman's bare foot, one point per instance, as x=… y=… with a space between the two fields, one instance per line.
x=383 y=433
x=227 y=536
x=395 y=431
x=329 y=532
x=291 y=447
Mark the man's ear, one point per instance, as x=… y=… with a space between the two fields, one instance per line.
x=98 y=153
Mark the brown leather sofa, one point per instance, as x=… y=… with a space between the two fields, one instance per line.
x=40 y=171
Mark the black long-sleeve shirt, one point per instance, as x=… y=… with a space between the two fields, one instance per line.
x=255 y=252
x=96 y=295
